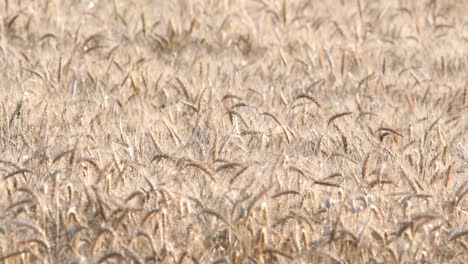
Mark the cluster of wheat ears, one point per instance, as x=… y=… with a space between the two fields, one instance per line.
x=235 y=131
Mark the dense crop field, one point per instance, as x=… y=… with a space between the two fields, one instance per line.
x=234 y=131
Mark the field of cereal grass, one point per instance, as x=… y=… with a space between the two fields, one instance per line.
x=234 y=131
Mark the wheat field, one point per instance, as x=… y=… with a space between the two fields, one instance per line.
x=234 y=131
